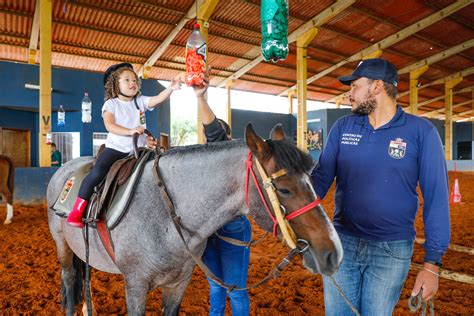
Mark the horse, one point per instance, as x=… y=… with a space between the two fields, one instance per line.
x=7 y=179
x=206 y=186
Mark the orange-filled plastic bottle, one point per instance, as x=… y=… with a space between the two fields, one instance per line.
x=195 y=58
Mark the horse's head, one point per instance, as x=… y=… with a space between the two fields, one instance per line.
x=290 y=168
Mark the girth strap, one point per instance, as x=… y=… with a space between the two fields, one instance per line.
x=178 y=225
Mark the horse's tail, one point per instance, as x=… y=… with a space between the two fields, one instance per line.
x=11 y=175
x=80 y=268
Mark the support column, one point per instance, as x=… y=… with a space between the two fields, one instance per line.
x=414 y=76
x=45 y=117
x=448 y=103
x=302 y=74
x=203 y=14
x=291 y=95
x=339 y=101
x=228 y=88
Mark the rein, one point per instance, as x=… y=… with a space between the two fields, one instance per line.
x=281 y=219
x=303 y=245
x=416 y=303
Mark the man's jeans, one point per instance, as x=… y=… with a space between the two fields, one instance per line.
x=230 y=264
x=371 y=275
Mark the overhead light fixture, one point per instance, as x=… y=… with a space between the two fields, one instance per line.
x=34 y=86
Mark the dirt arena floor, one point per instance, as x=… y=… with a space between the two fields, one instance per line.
x=30 y=276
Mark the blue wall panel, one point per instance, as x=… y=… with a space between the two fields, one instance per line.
x=25 y=120
x=31 y=184
x=262 y=122
x=68 y=90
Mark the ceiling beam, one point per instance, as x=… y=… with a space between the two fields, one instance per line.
x=441 y=97
x=462 y=73
x=374 y=16
x=392 y=39
x=34 y=35
x=442 y=109
x=437 y=57
x=426 y=62
x=318 y=20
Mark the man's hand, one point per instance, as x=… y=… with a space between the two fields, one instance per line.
x=427 y=279
x=151 y=142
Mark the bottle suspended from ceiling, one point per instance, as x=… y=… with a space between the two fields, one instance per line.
x=274 y=21
x=195 y=58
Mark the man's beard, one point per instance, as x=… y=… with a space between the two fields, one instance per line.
x=367 y=106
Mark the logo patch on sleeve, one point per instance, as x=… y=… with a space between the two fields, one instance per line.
x=397 y=148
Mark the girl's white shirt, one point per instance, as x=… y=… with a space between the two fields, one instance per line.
x=126 y=115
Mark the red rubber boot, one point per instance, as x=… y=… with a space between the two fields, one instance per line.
x=75 y=217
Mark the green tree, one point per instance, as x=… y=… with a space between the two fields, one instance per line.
x=183 y=132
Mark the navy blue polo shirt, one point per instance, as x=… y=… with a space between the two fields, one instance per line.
x=377 y=172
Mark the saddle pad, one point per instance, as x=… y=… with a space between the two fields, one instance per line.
x=68 y=195
x=123 y=195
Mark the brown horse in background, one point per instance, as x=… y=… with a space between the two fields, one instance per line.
x=7 y=175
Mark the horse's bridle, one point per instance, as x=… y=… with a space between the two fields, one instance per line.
x=280 y=219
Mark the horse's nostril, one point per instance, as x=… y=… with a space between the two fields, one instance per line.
x=331 y=258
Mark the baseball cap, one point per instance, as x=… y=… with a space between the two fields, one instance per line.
x=374 y=68
x=115 y=67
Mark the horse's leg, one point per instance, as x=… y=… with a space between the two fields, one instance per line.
x=136 y=292
x=8 y=197
x=71 y=273
x=172 y=297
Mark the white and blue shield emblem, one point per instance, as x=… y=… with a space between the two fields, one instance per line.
x=397 y=148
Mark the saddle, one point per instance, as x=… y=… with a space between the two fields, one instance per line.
x=117 y=176
x=112 y=196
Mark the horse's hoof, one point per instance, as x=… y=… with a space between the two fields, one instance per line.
x=7 y=221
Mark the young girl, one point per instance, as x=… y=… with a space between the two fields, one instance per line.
x=124 y=115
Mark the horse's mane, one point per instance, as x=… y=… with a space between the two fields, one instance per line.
x=216 y=146
x=11 y=171
x=287 y=155
x=290 y=157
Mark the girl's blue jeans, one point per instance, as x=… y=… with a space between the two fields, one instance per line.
x=371 y=275
x=230 y=264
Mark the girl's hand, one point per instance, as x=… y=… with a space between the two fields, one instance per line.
x=175 y=84
x=140 y=130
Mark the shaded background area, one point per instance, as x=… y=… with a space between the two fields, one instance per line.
x=30 y=276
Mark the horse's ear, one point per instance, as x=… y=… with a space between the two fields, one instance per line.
x=277 y=133
x=257 y=145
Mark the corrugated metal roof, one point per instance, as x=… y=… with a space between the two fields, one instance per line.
x=93 y=34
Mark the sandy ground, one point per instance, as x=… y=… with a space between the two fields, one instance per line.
x=30 y=275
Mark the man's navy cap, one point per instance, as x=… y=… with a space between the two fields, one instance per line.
x=374 y=68
x=113 y=68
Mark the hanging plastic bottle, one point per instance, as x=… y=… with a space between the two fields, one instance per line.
x=274 y=20
x=86 y=108
x=61 y=116
x=195 y=58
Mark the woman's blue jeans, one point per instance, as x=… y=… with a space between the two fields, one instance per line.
x=371 y=275
x=230 y=264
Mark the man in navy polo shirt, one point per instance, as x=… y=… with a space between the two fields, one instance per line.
x=378 y=156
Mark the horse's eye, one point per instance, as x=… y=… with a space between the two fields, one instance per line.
x=284 y=192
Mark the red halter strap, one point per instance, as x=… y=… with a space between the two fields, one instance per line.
x=297 y=213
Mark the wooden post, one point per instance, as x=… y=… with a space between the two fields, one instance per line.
x=45 y=117
x=302 y=74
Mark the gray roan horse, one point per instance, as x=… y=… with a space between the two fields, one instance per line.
x=206 y=184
